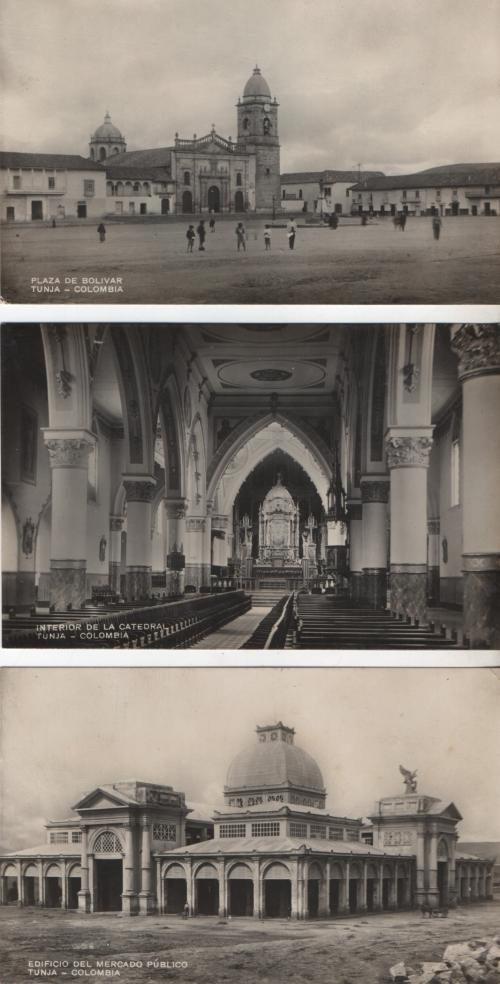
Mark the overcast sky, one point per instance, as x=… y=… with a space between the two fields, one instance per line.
x=65 y=731
x=396 y=85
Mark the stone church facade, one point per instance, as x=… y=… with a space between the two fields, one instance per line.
x=272 y=848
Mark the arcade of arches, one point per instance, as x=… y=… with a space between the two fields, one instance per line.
x=160 y=459
x=271 y=849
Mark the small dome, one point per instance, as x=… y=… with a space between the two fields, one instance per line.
x=272 y=764
x=107 y=130
x=256 y=86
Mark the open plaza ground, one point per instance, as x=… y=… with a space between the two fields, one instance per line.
x=239 y=951
x=355 y=264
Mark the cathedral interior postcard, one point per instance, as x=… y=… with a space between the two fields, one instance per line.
x=293 y=151
x=197 y=801
x=251 y=486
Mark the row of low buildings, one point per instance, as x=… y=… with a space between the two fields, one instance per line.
x=271 y=850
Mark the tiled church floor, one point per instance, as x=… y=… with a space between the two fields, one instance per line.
x=234 y=634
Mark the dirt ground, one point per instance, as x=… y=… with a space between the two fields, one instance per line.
x=239 y=951
x=365 y=265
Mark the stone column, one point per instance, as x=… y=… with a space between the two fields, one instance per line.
x=295 y=891
x=420 y=886
x=64 y=885
x=362 y=905
x=323 y=899
x=129 y=895
x=115 y=551
x=140 y=491
x=190 y=892
x=68 y=455
x=408 y=460
x=84 y=894
x=433 y=529
x=146 y=898
x=41 y=893
x=195 y=542
x=222 y=889
x=432 y=890
x=160 y=901
x=20 y=883
x=175 y=510
x=344 y=892
x=478 y=348
x=257 y=914
x=375 y=494
x=355 y=512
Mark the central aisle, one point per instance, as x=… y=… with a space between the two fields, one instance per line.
x=234 y=634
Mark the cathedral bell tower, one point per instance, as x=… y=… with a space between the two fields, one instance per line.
x=258 y=133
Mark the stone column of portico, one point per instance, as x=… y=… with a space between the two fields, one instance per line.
x=222 y=888
x=175 y=510
x=374 y=494
x=41 y=895
x=355 y=513
x=363 y=895
x=160 y=901
x=295 y=890
x=344 y=892
x=378 y=902
x=190 y=896
x=323 y=901
x=115 y=551
x=393 y=891
x=432 y=890
x=255 y=885
x=140 y=491
x=20 y=883
x=129 y=895
x=68 y=456
x=433 y=529
x=328 y=877
x=146 y=899
x=84 y=894
x=64 y=884
x=478 y=348
x=408 y=460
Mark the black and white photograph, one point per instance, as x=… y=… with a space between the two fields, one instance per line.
x=314 y=825
x=299 y=151
x=251 y=486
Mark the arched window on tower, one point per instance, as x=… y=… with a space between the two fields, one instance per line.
x=92 y=153
x=267 y=124
x=300 y=193
x=239 y=179
x=187 y=177
x=246 y=123
x=102 y=154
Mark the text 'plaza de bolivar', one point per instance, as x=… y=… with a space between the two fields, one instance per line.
x=272 y=850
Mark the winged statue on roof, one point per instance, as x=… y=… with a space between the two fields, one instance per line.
x=409 y=779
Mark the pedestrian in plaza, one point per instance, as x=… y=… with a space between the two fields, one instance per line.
x=185 y=911
x=211 y=222
x=241 y=236
x=292 y=232
x=190 y=236
x=267 y=236
x=202 y=233
x=101 y=228
x=436 y=226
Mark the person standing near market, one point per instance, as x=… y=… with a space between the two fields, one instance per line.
x=101 y=229
x=202 y=232
x=292 y=232
x=241 y=236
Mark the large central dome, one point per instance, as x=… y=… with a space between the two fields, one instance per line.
x=256 y=86
x=274 y=761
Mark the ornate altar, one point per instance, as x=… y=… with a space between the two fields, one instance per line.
x=278 y=528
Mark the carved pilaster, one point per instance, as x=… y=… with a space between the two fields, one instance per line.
x=139 y=490
x=374 y=490
x=408 y=451
x=478 y=349
x=71 y=452
x=175 y=508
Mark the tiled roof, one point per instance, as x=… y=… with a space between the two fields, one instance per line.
x=286 y=845
x=71 y=162
x=154 y=157
x=308 y=177
x=139 y=172
x=47 y=851
x=444 y=176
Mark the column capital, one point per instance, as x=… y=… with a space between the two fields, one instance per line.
x=175 y=508
x=195 y=524
x=478 y=349
x=116 y=523
x=139 y=488
x=375 y=489
x=408 y=450
x=68 y=448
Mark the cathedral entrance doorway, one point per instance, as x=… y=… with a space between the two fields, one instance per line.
x=239 y=202
x=213 y=199
x=187 y=201
x=109 y=877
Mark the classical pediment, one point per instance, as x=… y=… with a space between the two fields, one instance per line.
x=100 y=799
x=451 y=812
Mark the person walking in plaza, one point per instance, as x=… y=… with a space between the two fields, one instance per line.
x=241 y=236
x=202 y=233
x=292 y=232
x=101 y=228
x=267 y=237
x=190 y=236
x=436 y=226
x=211 y=221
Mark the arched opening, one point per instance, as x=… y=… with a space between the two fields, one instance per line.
x=313 y=885
x=53 y=887
x=371 y=887
x=175 y=889
x=206 y=891
x=108 y=872
x=165 y=206
x=443 y=872
x=240 y=891
x=239 y=202
x=336 y=876
x=187 y=202
x=354 y=887
x=102 y=153
x=10 y=893
x=386 y=887
x=74 y=886
x=277 y=892
x=213 y=198
x=30 y=885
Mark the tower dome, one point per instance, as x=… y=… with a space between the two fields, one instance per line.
x=274 y=763
x=256 y=87
x=106 y=141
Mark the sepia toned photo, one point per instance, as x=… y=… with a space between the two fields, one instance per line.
x=301 y=151
x=257 y=486
x=259 y=824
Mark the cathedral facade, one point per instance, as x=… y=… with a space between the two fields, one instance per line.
x=271 y=849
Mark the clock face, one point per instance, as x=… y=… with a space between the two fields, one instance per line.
x=267 y=107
